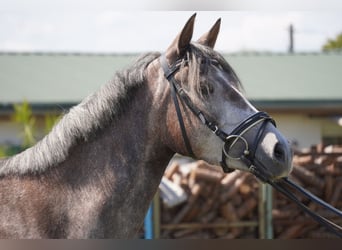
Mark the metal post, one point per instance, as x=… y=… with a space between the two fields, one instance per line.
x=156 y=216
x=265 y=211
x=269 y=207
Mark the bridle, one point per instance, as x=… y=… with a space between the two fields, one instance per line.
x=248 y=154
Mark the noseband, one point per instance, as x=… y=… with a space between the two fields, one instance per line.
x=248 y=154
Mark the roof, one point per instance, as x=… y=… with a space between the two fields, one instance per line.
x=55 y=78
x=291 y=81
x=290 y=76
x=283 y=80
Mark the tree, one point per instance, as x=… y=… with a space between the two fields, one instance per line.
x=333 y=44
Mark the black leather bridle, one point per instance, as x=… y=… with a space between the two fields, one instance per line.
x=248 y=154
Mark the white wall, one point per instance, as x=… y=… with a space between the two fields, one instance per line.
x=303 y=130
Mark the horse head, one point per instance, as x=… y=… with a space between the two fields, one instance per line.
x=217 y=123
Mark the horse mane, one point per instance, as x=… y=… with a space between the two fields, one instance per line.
x=81 y=122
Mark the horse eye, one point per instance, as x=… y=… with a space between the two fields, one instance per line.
x=204 y=91
x=207 y=89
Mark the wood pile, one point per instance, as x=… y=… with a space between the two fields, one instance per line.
x=318 y=170
x=226 y=205
x=216 y=202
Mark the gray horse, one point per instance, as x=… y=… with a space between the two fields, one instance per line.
x=95 y=173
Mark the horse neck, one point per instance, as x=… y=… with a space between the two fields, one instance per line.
x=112 y=176
x=125 y=162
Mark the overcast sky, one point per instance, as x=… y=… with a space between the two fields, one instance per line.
x=33 y=25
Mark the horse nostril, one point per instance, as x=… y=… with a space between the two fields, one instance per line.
x=279 y=152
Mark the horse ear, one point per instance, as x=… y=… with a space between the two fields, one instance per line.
x=209 y=38
x=180 y=44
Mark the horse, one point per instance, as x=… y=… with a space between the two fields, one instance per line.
x=95 y=173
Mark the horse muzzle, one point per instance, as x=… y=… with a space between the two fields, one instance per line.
x=267 y=152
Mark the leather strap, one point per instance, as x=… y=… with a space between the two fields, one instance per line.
x=169 y=74
x=181 y=121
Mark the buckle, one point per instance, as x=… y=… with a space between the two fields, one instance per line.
x=215 y=129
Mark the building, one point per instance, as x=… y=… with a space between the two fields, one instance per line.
x=303 y=92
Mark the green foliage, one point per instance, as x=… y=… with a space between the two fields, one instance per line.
x=2 y=151
x=24 y=117
x=9 y=150
x=333 y=44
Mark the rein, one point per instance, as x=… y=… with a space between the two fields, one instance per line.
x=248 y=155
x=283 y=185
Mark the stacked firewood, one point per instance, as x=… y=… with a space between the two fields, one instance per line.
x=216 y=201
x=226 y=205
x=318 y=170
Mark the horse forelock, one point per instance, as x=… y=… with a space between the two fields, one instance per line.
x=196 y=54
x=82 y=122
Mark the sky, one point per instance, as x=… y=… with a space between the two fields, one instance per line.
x=82 y=26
